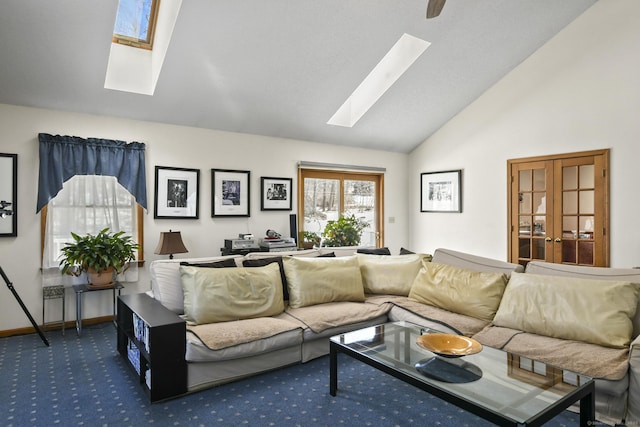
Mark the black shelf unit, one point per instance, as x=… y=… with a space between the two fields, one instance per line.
x=166 y=338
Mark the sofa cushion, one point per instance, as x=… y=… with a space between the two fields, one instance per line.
x=373 y=251
x=473 y=293
x=327 y=255
x=261 y=262
x=588 y=310
x=588 y=359
x=437 y=318
x=339 y=251
x=224 y=335
x=225 y=263
x=601 y=273
x=319 y=280
x=222 y=294
x=320 y=317
x=165 y=279
x=389 y=274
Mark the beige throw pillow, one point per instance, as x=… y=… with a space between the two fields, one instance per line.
x=223 y=294
x=320 y=280
x=472 y=293
x=593 y=311
x=389 y=274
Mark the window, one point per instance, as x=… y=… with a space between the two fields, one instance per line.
x=327 y=194
x=135 y=23
x=88 y=204
x=84 y=186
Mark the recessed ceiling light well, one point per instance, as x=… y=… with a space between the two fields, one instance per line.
x=398 y=60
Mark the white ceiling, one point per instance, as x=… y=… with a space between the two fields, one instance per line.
x=279 y=68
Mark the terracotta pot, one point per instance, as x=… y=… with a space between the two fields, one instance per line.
x=100 y=279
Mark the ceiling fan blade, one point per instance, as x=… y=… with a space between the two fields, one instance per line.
x=434 y=7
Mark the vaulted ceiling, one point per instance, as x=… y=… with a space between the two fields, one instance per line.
x=278 y=68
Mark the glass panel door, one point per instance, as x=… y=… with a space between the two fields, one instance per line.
x=360 y=201
x=327 y=195
x=321 y=203
x=532 y=186
x=578 y=213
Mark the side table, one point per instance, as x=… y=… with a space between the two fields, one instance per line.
x=52 y=292
x=80 y=290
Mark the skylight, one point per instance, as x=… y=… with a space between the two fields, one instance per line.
x=401 y=56
x=137 y=70
x=135 y=23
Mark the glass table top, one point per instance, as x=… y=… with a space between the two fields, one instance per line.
x=516 y=387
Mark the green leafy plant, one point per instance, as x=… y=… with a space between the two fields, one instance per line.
x=345 y=231
x=311 y=237
x=97 y=252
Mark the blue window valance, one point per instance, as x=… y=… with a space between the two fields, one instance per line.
x=63 y=157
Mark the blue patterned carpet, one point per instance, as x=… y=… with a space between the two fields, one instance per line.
x=84 y=382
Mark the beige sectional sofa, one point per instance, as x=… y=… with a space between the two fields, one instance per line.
x=274 y=314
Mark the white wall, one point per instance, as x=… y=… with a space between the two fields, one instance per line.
x=173 y=146
x=580 y=91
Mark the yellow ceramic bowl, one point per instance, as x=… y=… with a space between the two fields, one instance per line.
x=449 y=345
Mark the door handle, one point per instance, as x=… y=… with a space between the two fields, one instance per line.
x=548 y=239
x=558 y=240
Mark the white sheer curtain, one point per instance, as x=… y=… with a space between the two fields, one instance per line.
x=86 y=204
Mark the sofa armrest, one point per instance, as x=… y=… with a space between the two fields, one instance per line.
x=633 y=405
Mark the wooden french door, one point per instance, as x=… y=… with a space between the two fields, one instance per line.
x=559 y=209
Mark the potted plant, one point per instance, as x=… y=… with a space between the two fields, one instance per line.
x=345 y=231
x=102 y=256
x=310 y=239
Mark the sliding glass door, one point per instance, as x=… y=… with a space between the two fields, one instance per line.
x=327 y=195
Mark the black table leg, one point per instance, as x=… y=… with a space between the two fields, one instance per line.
x=588 y=409
x=333 y=369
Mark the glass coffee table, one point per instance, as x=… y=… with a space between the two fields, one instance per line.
x=501 y=387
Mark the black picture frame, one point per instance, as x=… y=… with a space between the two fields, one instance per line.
x=276 y=194
x=177 y=193
x=441 y=191
x=230 y=193
x=8 y=195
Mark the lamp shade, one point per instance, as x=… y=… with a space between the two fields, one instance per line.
x=170 y=243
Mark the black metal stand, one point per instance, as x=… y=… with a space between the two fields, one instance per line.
x=24 y=308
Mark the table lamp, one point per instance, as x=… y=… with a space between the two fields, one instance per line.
x=170 y=243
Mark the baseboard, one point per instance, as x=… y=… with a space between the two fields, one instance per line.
x=69 y=325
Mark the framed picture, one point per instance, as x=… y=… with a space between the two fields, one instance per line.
x=8 y=195
x=230 y=193
x=441 y=191
x=177 y=193
x=275 y=194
